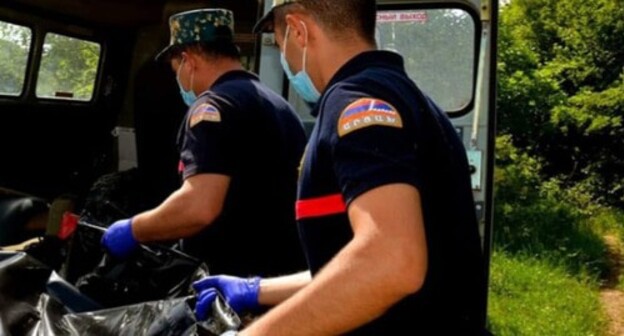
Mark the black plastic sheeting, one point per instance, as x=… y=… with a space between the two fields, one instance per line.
x=91 y=294
x=152 y=273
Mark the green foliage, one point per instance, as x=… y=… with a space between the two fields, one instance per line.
x=560 y=99
x=537 y=297
x=561 y=92
x=608 y=221
x=67 y=64
x=542 y=219
x=592 y=123
x=14 y=48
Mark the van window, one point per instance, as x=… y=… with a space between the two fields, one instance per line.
x=438 y=46
x=68 y=69
x=15 y=42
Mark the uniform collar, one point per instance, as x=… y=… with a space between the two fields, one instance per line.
x=367 y=59
x=234 y=74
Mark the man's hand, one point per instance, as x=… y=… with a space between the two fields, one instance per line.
x=119 y=240
x=239 y=293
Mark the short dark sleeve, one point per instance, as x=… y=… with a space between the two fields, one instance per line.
x=371 y=143
x=208 y=144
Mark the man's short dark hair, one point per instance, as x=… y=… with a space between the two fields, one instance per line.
x=337 y=17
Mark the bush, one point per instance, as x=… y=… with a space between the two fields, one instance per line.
x=542 y=219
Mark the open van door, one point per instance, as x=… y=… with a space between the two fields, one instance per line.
x=449 y=47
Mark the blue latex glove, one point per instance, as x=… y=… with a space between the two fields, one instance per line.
x=119 y=240
x=240 y=294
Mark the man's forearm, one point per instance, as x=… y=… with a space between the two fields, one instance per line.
x=276 y=290
x=168 y=221
x=186 y=212
x=353 y=289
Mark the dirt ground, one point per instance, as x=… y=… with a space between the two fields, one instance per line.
x=612 y=298
x=613 y=302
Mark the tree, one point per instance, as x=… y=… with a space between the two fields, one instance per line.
x=561 y=92
x=14 y=49
x=68 y=65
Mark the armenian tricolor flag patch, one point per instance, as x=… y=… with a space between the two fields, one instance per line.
x=368 y=112
x=205 y=112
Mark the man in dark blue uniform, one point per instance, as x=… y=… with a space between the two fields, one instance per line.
x=240 y=147
x=385 y=206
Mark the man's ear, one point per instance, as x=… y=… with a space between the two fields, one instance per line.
x=175 y=62
x=191 y=59
x=298 y=29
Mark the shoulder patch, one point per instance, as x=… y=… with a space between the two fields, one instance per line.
x=368 y=112
x=204 y=112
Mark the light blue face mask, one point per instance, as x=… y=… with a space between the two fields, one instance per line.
x=189 y=96
x=301 y=81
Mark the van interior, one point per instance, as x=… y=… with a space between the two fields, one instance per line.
x=81 y=96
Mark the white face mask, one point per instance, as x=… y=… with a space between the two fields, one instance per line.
x=301 y=81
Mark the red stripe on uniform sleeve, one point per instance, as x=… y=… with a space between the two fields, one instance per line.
x=181 y=167
x=322 y=206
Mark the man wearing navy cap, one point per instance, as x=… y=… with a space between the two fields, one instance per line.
x=385 y=206
x=240 y=147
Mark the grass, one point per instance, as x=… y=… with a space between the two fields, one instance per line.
x=551 y=255
x=610 y=222
x=537 y=297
